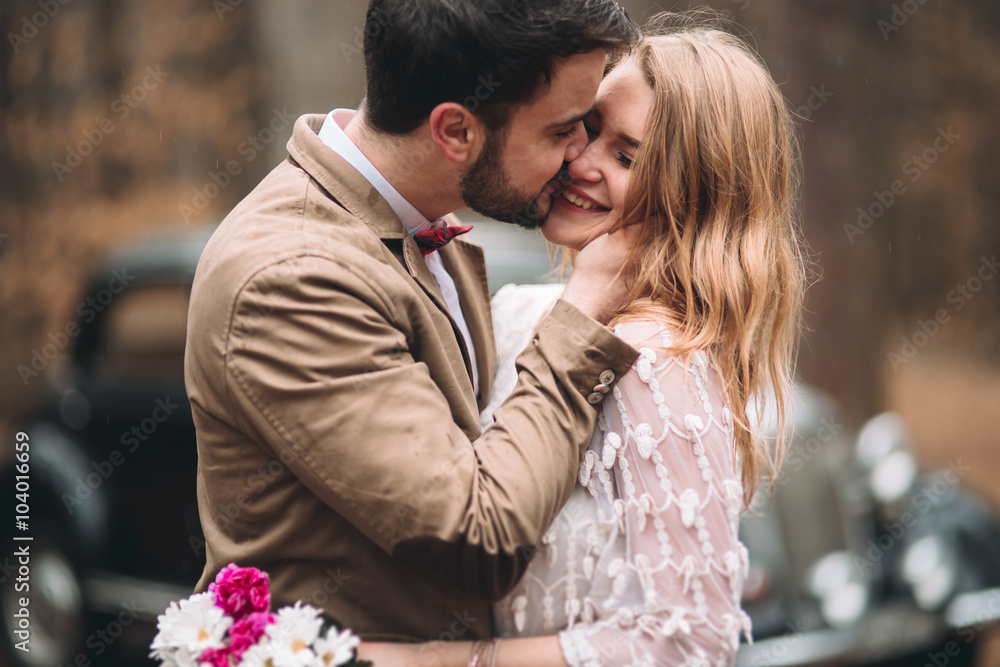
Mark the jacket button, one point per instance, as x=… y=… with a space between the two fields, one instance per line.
x=607 y=377
x=602 y=388
x=595 y=398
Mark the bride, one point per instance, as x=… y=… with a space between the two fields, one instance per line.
x=692 y=148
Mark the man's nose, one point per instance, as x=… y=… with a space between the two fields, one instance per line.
x=582 y=167
x=577 y=144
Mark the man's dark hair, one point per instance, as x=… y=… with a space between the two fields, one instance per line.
x=488 y=55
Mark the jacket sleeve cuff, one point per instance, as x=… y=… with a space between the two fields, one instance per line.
x=594 y=356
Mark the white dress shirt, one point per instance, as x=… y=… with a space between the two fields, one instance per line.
x=332 y=134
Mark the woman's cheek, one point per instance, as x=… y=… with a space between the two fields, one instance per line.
x=562 y=232
x=618 y=196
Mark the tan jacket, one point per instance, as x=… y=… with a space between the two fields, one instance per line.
x=339 y=445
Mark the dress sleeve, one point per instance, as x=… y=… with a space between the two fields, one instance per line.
x=668 y=462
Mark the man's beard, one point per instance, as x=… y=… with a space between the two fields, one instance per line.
x=487 y=189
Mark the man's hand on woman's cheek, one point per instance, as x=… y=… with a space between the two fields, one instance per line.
x=600 y=281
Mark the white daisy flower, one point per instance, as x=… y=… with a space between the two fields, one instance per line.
x=293 y=633
x=195 y=624
x=337 y=648
x=258 y=655
x=174 y=657
x=163 y=641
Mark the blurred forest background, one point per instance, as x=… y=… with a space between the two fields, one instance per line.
x=115 y=114
x=160 y=95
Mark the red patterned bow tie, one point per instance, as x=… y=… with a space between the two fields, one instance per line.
x=433 y=239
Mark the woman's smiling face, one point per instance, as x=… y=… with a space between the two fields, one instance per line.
x=594 y=196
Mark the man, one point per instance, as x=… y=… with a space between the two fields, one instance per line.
x=334 y=370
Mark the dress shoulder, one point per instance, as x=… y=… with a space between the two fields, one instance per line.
x=517 y=310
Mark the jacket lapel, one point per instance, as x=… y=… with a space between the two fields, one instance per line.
x=360 y=198
x=417 y=266
x=464 y=263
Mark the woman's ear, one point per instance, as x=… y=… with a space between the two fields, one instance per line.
x=456 y=131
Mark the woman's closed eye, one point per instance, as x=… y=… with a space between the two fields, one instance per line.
x=593 y=127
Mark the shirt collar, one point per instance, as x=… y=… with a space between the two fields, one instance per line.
x=332 y=134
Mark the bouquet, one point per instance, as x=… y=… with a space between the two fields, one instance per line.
x=231 y=625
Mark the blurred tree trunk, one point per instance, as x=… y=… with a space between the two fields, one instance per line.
x=115 y=114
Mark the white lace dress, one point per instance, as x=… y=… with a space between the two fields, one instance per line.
x=644 y=565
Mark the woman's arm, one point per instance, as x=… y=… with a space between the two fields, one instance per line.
x=521 y=652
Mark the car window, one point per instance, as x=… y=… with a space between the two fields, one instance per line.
x=143 y=335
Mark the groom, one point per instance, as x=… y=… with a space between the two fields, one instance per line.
x=336 y=372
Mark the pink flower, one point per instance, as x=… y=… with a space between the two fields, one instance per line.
x=239 y=591
x=247 y=631
x=215 y=657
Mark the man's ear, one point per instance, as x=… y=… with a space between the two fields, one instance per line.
x=456 y=131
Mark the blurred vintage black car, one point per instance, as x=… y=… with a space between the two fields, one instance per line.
x=861 y=559
x=858 y=560
x=114 y=519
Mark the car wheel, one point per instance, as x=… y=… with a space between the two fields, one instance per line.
x=57 y=613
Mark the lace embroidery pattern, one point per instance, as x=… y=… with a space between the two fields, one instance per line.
x=644 y=565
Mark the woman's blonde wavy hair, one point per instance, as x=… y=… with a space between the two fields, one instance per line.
x=713 y=193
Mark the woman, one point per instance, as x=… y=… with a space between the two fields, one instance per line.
x=692 y=149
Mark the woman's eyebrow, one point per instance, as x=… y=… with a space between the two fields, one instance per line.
x=634 y=143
